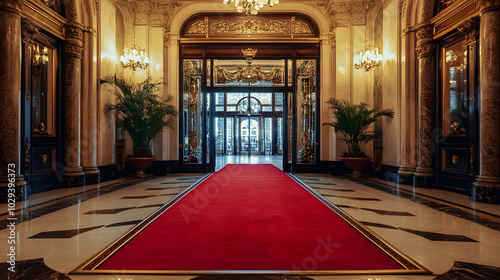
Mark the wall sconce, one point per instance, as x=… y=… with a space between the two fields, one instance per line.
x=40 y=56
x=134 y=57
x=368 y=57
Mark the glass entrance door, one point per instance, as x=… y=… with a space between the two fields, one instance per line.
x=250 y=136
x=248 y=122
x=271 y=110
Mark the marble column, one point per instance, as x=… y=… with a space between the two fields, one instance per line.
x=10 y=104
x=409 y=115
x=89 y=114
x=424 y=174
x=73 y=51
x=487 y=184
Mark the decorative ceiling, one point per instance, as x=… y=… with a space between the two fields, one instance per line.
x=160 y=12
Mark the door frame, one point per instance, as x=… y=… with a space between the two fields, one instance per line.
x=466 y=146
x=221 y=51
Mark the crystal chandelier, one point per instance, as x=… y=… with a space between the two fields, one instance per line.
x=251 y=7
x=368 y=57
x=134 y=57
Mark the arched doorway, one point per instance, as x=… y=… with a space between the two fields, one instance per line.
x=249 y=87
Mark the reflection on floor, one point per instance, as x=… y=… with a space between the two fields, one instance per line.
x=222 y=160
x=445 y=232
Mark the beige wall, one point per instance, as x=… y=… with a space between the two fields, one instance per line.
x=339 y=78
x=354 y=85
x=109 y=61
x=391 y=95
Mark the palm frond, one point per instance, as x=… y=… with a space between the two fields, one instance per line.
x=353 y=121
x=144 y=113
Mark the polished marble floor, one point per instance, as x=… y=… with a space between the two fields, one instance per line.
x=445 y=232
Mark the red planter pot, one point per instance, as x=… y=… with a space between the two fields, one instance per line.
x=141 y=164
x=355 y=164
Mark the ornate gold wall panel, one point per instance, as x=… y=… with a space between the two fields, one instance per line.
x=281 y=27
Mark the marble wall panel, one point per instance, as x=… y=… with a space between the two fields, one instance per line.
x=391 y=96
x=109 y=64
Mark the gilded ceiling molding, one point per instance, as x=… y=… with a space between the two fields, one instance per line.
x=345 y=13
x=470 y=28
x=16 y=5
x=29 y=30
x=155 y=14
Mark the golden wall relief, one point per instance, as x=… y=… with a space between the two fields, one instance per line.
x=306 y=82
x=192 y=110
x=213 y=27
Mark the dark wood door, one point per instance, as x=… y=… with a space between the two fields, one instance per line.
x=41 y=131
x=457 y=115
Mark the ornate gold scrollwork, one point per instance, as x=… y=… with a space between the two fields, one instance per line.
x=192 y=73
x=44 y=158
x=239 y=27
x=307 y=72
x=454 y=159
x=250 y=74
x=41 y=130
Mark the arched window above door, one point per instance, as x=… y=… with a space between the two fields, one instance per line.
x=249 y=106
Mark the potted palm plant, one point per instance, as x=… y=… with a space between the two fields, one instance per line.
x=143 y=115
x=353 y=122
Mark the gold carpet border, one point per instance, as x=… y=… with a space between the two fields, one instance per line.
x=96 y=260
x=383 y=245
x=90 y=266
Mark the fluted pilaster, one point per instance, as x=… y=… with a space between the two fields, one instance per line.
x=487 y=184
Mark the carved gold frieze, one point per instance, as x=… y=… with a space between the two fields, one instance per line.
x=250 y=26
x=300 y=27
x=198 y=27
x=282 y=27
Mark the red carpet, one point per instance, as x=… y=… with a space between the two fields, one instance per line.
x=249 y=217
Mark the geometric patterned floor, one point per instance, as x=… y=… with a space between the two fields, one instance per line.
x=445 y=232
